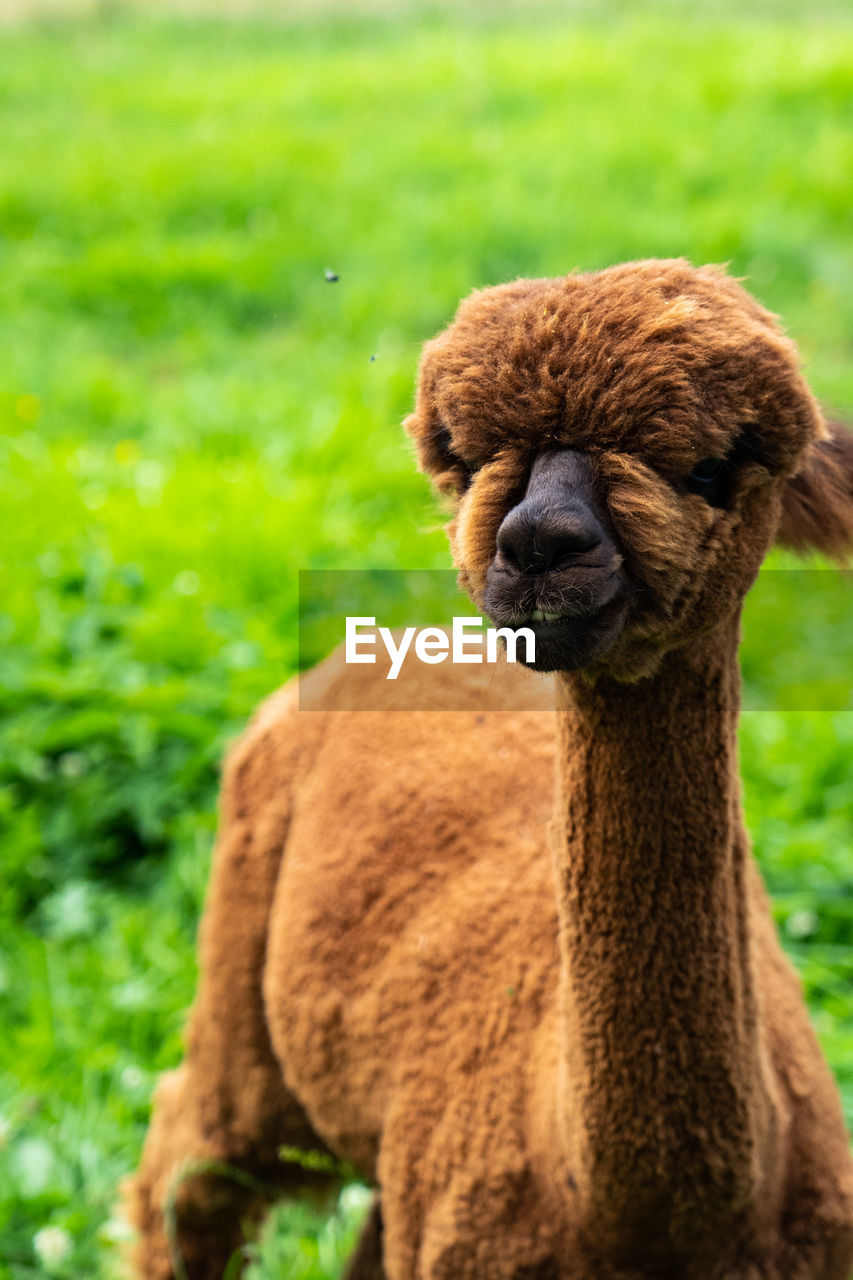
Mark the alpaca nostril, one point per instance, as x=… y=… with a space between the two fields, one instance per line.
x=539 y=542
x=564 y=551
x=506 y=557
x=515 y=542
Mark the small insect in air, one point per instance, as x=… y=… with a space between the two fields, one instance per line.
x=331 y=276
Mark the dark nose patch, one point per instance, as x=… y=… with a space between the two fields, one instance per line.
x=558 y=522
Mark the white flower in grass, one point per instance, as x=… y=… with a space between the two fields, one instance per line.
x=117 y=1229
x=802 y=924
x=32 y=1165
x=355 y=1199
x=52 y=1246
x=132 y=1078
x=72 y=764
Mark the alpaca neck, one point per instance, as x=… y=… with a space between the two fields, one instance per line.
x=668 y=1120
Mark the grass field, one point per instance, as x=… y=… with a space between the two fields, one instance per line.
x=191 y=413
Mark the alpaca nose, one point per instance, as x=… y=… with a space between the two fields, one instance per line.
x=537 y=538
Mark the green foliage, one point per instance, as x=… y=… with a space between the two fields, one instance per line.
x=190 y=413
x=303 y=1246
x=796 y=772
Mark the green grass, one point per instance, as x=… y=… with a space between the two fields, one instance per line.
x=189 y=414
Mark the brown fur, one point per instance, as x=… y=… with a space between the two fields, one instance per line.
x=817 y=506
x=552 y=1023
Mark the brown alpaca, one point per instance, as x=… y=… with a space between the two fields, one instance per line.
x=552 y=1024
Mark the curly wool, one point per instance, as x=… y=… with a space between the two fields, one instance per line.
x=518 y=966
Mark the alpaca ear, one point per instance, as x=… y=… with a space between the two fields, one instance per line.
x=432 y=440
x=817 y=505
x=436 y=458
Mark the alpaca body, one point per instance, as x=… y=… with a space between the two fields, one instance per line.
x=518 y=965
x=422 y=1060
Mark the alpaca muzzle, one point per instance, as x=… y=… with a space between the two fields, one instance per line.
x=557 y=568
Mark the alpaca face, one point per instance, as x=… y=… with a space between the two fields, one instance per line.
x=616 y=448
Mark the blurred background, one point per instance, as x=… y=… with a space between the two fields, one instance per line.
x=192 y=409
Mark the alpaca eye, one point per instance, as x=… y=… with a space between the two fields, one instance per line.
x=469 y=470
x=444 y=445
x=710 y=480
x=707 y=471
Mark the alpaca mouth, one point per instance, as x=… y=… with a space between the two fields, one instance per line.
x=570 y=641
x=540 y=615
x=566 y=643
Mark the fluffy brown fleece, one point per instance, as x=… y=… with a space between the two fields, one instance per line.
x=519 y=966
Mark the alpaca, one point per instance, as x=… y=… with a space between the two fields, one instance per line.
x=518 y=966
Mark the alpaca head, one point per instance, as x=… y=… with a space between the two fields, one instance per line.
x=621 y=450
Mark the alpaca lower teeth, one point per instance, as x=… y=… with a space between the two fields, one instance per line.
x=540 y=615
